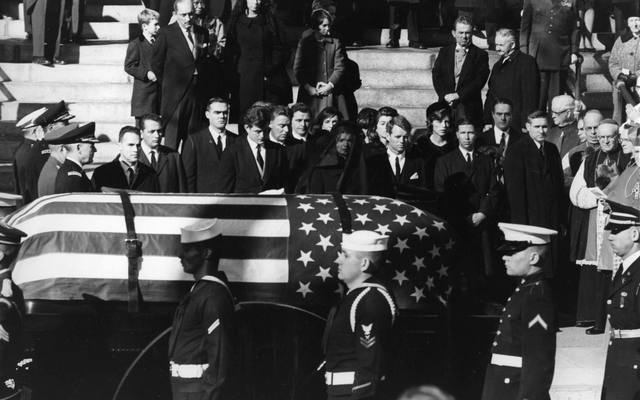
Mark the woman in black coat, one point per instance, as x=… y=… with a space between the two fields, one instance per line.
x=256 y=56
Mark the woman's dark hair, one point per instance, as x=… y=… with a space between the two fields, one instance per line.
x=367 y=119
x=325 y=113
x=438 y=111
x=266 y=10
x=318 y=16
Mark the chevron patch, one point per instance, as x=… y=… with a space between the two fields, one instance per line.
x=366 y=329
x=538 y=320
x=367 y=343
x=74 y=173
x=213 y=326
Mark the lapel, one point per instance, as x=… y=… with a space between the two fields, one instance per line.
x=248 y=156
x=270 y=154
x=119 y=172
x=181 y=38
x=469 y=61
x=626 y=279
x=162 y=160
x=407 y=170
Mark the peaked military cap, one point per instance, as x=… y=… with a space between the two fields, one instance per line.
x=28 y=121
x=55 y=113
x=621 y=217
x=9 y=234
x=74 y=134
x=518 y=237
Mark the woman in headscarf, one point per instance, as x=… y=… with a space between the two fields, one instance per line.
x=336 y=164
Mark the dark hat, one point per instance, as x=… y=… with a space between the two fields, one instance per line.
x=55 y=113
x=9 y=234
x=439 y=105
x=56 y=134
x=518 y=237
x=621 y=217
x=74 y=134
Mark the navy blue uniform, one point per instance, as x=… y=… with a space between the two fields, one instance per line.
x=71 y=178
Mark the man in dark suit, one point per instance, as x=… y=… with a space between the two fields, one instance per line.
x=564 y=133
x=549 y=32
x=252 y=164
x=202 y=151
x=166 y=162
x=177 y=62
x=46 y=20
x=125 y=171
x=533 y=178
x=460 y=72
x=468 y=191
x=502 y=132
x=80 y=145
x=515 y=77
x=296 y=141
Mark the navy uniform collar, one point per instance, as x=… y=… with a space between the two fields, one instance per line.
x=531 y=279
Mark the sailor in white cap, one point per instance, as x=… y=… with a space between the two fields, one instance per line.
x=622 y=369
x=524 y=349
x=358 y=332
x=200 y=345
x=11 y=309
x=30 y=156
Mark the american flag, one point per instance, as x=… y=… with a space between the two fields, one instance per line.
x=280 y=249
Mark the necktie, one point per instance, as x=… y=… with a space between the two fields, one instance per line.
x=130 y=176
x=193 y=44
x=468 y=160
x=259 y=158
x=219 y=145
x=398 y=169
x=542 y=150
x=503 y=140
x=154 y=162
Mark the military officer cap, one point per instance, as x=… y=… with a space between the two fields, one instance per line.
x=518 y=237
x=368 y=241
x=55 y=135
x=28 y=121
x=200 y=231
x=55 y=113
x=10 y=235
x=74 y=134
x=621 y=217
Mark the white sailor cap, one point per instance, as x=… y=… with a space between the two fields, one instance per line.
x=9 y=199
x=200 y=231
x=518 y=237
x=28 y=121
x=364 y=241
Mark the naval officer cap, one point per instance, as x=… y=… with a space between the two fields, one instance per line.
x=200 y=231
x=518 y=237
x=367 y=241
x=621 y=217
x=56 y=113
x=29 y=120
x=10 y=235
x=74 y=134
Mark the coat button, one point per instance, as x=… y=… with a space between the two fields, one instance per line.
x=610 y=342
x=495 y=344
x=500 y=320
x=509 y=299
x=608 y=301
x=517 y=289
x=504 y=309
x=507 y=380
x=498 y=333
x=549 y=32
x=635 y=366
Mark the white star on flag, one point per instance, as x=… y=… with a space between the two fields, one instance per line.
x=383 y=229
x=362 y=218
x=305 y=257
x=401 y=276
x=435 y=251
x=304 y=289
x=421 y=232
x=449 y=244
x=361 y=202
x=307 y=228
x=324 y=217
x=401 y=219
x=323 y=201
x=305 y=207
x=397 y=203
x=443 y=271
x=418 y=293
x=381 y=207
x=401 y=245
x=325 y=241
x=430 y=284
x=417 y=212
x=418 y=263
x=302 y=196
x=438 y=225
x=324 y=273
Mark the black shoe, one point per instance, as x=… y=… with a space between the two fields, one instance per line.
x=59 y=61
x=393 y=44
x=42 y=61
x=594 y=331
x=417 y=45
x=584 y=324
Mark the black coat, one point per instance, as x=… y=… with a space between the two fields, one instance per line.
x=526 y=337
x=473 y=76
x=169 y=169
x=174 y=64
x=535 y=185
x=29 y=159
x=518 y=80
x=137 y=63
x=382 y=178
x=71 y=178
x=487 y=138
x=111 y=175
x=239 y=171
x=256 y=50
x=565 y=138
x=202 y=162
x=297 y=159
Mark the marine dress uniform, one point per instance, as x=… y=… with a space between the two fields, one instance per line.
x=523 y=352
x=356 y=341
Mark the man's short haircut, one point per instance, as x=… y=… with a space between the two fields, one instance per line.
x=594 y=112
x=537 y=114
x=126 y=129
x=464 y=20
x=256 y=116
x=464 y=121
x=301 y=108
x=277 y=111
x=387 y=111
x=508 y=33
x=176 y=2
x=216 y=100
x=149 y=117
x=502 y=100
x=147 y=15
x=402 y=123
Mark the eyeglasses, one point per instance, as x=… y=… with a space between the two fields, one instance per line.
x=558 y=112
x=607 y=138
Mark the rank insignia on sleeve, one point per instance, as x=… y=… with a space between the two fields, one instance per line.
x=213 y=326
x=538 y=320
x=74 y=173
x=367 y=340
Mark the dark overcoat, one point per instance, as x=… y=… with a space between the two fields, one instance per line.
x=137 y=63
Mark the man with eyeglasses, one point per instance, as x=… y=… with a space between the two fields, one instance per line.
x=593 y=176
x=587 y=132
x=564 y=133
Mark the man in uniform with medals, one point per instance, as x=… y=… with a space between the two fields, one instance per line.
x=358 y=332
x=523 y=353
x=200 y=346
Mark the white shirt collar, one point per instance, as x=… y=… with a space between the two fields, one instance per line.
x=497 y=133
x=465 y=152
x=296 y=136
x=147 y=151
x=393 y=155
x=626 y=263
x=148 y=37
